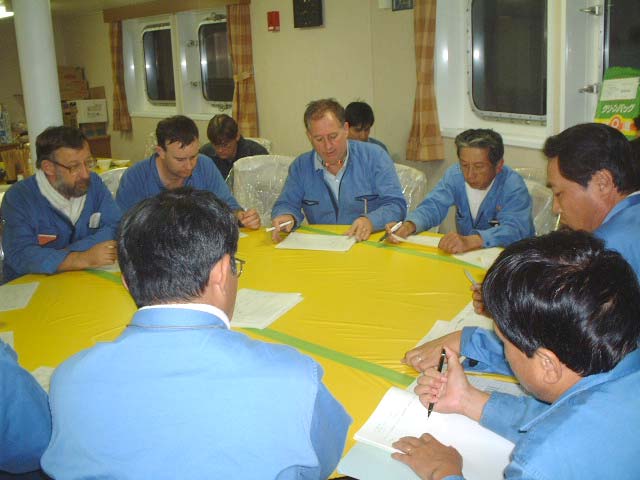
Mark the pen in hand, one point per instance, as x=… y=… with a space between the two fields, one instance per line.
x=443 y=356
x=283 y=224
x=393 y=229
x=470 y=277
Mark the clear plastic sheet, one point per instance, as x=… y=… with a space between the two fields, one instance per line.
x=258 y=181
x=111 y=179
x=544 y=220
x=414 y=185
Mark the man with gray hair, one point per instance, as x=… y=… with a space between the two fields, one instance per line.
x=493 y=205
x=340 y=181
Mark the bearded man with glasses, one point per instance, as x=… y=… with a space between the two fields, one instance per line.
x=63 y=217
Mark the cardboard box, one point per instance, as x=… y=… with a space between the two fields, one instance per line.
x=70 y=73
x=97 y=92
x=91 y=111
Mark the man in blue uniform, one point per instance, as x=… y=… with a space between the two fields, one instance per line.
x=340 y=181
x=63 y=217
x=493 y=205
x=177 y=163
x=179 y=394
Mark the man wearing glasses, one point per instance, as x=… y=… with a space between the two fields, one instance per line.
x=227 y=145
x=63 y=217
x=179 y=394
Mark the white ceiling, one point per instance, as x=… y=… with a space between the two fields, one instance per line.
x=67 y=7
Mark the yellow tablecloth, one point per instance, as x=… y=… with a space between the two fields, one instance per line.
x=362 y=310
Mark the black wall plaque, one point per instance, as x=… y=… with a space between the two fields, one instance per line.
x=307 y=13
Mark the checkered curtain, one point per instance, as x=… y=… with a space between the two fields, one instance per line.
x=121 y=117
x=425 y=142
x=245 y=109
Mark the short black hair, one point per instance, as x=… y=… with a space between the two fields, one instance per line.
x=359 y=115
x=54 y=138
x=221 y=129
x=168 y=244
x=317 y=108
x=565 y=292
x=481 y=138
x=176 y=129
x=583 y=150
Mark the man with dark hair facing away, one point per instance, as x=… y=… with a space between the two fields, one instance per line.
x=360 y=118
x=63 y=217
x=176 y=163
x=226 y=145
x=179 y=394
x=493 y=205
x=567 y=311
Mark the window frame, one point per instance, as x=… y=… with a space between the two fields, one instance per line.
x=215 y=20
x=145 y=30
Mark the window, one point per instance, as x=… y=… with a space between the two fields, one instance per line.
x=622 y=34
x=508 y=59
x=215 y=62
x=158 y=62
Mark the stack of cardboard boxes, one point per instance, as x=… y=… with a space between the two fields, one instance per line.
x=85 y=108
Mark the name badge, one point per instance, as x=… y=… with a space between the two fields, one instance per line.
x=94 y=220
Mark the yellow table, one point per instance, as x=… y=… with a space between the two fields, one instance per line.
x=362 y=310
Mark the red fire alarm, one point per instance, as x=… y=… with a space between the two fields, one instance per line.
x=273 y=21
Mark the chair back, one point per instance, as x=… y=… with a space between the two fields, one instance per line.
x=111 y=179
x=258 y=181
x=531 y=173
x=266 y=143
x=544 y=220
x=414 y=185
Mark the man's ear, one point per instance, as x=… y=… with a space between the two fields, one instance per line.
x=124 y=282
x=48 y=168
x=160 y=151
x=499 y=166
x=603 y=181
x=219 y=273
x=549 y=365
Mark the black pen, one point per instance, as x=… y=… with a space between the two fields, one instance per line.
x=443 y=356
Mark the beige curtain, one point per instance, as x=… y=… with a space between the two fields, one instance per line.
x=245 y=109
x=121 y=117
x=425 y=142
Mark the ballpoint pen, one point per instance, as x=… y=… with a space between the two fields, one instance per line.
x=393 y=230
x=443 y=356
x=470 y=277
x=283 y=224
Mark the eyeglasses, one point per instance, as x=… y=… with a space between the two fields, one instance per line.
x=223 y=146
x=238 y=266
x=75 y=169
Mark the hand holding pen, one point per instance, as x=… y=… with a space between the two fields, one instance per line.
x=282 y=223
x=443 y=357
x=401 y=229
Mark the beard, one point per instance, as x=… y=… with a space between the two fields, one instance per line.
x=78 y=189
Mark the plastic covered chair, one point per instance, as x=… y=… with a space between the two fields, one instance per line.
x=544 y=220
x=530 y=173
x=111 y=179
x=266 y=143
x=258 y=181
x=414 y=185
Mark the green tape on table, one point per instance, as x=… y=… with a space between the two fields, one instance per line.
x=339 y=357
x=113 y=277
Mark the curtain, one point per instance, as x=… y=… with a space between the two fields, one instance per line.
x=245 y=109
x=425 y=142
x=121 y=117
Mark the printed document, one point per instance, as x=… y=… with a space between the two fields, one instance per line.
x=425 y=241
x=259 y=309
x=311 y=241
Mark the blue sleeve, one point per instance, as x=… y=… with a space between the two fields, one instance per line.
x=434 y=208
x=504 y=414
x=387 y=186
x=483 y=346
x=290 y=199
x=515 y=218
x=25 y=421
x=129 y=190
x=22 y=252
x=109 y=218
x=329 y=427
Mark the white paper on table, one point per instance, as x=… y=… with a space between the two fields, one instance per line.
x=14 y=297
x=491 y=384
x=425 y=241
x=242 y=235
x=306 y=241
x=43 y=376
x=258 y=309
x=482 y=258
x=401 y=414
x=114 y=268
x=468 y=318
x=7 y=337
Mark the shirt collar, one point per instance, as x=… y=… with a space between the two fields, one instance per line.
x=199 y=307
x=319 y=163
